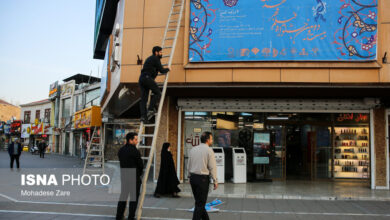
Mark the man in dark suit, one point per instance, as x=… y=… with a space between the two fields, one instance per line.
x=42 y=148
x=129 y=157
x=14 y=151
x=149 y=72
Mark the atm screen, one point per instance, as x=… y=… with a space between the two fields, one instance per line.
x=217 y=150
x=240 y=151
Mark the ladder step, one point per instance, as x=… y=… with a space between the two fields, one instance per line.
x=173 y=21
x=177 y=5
x=166 y=56
x=147 y=135
x=145 y=158
x=170 y=38
x=95 y=163
x=167 y=47
x=171 y=29
x=149 y=125
x=98 y=144
x=95 y=156
x=95 y=150
x=175 y=13
x=145 y=147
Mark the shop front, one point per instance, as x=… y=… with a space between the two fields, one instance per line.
x=37 y=132
x=85 y=121
x=285 y=144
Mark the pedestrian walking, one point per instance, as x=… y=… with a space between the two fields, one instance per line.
x=167 y=179
x=129 y=157
x=42 y=148
x=149 y=72
x=14 y=151
x=202 y=166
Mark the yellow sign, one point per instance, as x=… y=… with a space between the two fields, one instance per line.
x=89 y=117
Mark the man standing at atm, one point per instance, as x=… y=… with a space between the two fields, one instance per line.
x=202 y=166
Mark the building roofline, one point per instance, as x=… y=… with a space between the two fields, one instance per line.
x=40 y=102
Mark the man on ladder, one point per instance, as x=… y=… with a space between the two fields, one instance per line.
x=146 y=82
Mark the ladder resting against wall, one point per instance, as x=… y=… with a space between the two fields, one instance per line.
x=168 y=44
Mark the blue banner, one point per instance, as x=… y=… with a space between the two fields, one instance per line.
x=283 y=30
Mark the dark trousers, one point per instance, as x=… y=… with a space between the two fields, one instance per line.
x=146 y=83
x=15 y=157
x=125 y=192
x=42 y=153
x=200 y=189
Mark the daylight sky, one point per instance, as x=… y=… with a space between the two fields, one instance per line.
x=43 y=41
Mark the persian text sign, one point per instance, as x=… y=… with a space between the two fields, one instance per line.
x=283 y=30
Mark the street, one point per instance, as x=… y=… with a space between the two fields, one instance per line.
x=172 y=208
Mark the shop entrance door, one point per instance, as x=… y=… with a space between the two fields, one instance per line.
x=308 y=152
x=297 y=152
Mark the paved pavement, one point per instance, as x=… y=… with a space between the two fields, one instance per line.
x=175 y=209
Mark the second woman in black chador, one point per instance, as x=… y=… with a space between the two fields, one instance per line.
x=167 y=180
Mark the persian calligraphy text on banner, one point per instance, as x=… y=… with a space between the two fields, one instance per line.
x=283 y=30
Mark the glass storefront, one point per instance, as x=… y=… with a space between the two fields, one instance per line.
x=284 y=146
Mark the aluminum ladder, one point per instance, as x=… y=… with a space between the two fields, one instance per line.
x=168 y=44
x=94 y=160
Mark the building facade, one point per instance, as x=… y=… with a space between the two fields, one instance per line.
x=36 y=123
x=77 y=93
x=305 y=92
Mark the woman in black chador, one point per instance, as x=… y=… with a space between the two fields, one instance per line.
x=167 y=179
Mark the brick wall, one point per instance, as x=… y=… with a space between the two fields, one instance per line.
x=380 y=146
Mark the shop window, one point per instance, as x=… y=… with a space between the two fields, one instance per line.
x=47 y=115
x=66 y=105
x=27 y=117
x=38 y=115
x=351 y=146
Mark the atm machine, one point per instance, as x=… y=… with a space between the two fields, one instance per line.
x=239 y=165
x=220 y=161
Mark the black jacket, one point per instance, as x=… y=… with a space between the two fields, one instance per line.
x=152 y=67
x=11 y=148
x=129 y=157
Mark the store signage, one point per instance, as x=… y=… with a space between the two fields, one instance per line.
x=26 y=130
x=7 y=129
x=15 y=127
x=293 y=30
x=54 y=90
x=89 y=117
x=41 y=128
x=352 y=117
x=67 y=89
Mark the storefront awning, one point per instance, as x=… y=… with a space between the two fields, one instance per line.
x=277 y=105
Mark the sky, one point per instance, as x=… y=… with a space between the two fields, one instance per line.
x=43 y=41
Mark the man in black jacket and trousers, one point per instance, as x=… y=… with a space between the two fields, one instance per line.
x=146 y=82
x=14 y=151
x=129 y=157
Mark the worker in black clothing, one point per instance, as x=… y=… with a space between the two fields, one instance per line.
x=129 y=157
x=146 y=82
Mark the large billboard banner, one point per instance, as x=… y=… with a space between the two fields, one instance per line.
x=283 y=30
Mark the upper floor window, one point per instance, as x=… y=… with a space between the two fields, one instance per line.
x=47 y=115
x=27 y=117
x=38 y=115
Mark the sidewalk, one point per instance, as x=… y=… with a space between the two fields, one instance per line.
x=297 y=190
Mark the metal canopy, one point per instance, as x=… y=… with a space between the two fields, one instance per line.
x=277 y=105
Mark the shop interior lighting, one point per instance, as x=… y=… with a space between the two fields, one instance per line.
x=277 y=118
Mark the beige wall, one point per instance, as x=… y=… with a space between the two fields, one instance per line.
x=9 y=111
x=144 y=24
